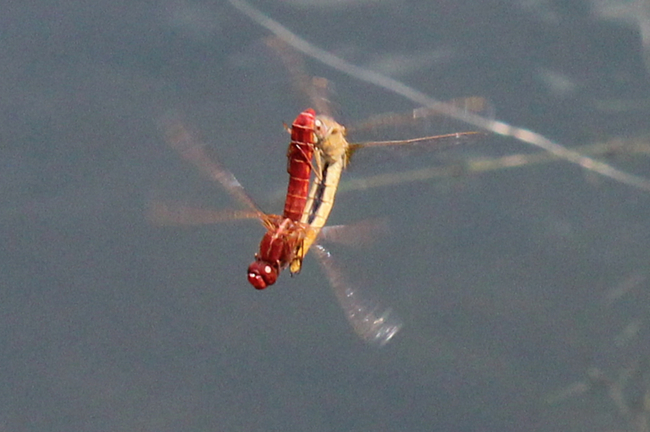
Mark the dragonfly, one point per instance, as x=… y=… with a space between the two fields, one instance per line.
x=280 y=245
x=333 y=153
x=289 y=237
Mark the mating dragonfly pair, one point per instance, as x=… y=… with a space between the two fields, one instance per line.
x=317 y=155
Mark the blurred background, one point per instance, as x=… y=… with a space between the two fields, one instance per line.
x=523 y=291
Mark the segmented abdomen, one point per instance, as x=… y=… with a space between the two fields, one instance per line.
x=299 y=157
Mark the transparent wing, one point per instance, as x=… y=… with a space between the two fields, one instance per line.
x=314 y=90
x=413 y=131
x=181 y=140
x=355 y=234
x=473 y=104
x=372 y=322
x=427 y=143
x=165 y=213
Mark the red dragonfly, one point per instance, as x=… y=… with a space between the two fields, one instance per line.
x=280 y=245
x=290 y=236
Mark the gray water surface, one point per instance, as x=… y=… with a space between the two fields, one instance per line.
x=511 y=284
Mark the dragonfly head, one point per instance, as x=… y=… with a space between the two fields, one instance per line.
x=262 y=274
x=330 y=138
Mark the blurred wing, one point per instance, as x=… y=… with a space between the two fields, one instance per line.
x=434 y=141
x=371 y=322
x=414 y=131
x=168 y=213
x=314 y=89
x=181 y=140
x=357 y=234
x=395 y=149
x=473 y=104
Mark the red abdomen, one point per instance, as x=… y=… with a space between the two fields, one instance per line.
x=299 y=157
